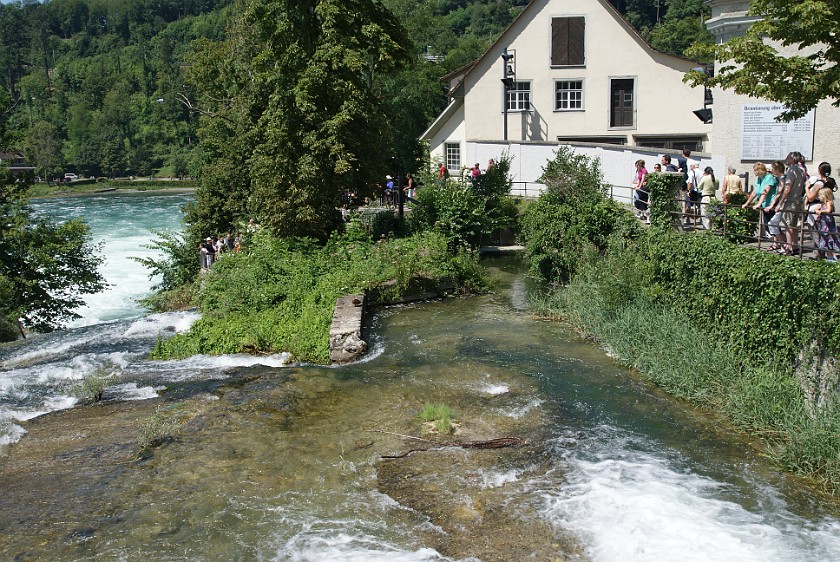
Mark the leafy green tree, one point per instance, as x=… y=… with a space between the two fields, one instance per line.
x=754 y=64
x=43 y=148
x=305 y=108
x=45 y=267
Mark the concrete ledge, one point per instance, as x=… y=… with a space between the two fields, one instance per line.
x=346 y=343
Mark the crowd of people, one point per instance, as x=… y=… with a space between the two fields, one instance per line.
x=214 y=246
x=788 y=198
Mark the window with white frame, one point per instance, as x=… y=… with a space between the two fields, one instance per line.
x=519 y=97
x=568 y=95
x=453 y=156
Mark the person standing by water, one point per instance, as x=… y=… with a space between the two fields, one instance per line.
x=732 y=184
x=828 y=243
x=475 y=174
x=389 y=191
x=765 y=192
x=443 y=174
x=209 y=251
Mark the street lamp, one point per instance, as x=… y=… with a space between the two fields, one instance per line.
x=508 y=79
x=705 y=114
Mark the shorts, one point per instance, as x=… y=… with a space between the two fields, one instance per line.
x=791 y=214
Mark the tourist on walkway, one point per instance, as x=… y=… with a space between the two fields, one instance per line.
x=691 y=200
x=410 y=186
x=640 y=190
x=789 y=205
x=389 y=191
x=732 y=185
x=828 y=242
x=475 y=175
x=708 y=188
x=666 y=163
x=812 y=196
x=443 y=174
x=764 y=193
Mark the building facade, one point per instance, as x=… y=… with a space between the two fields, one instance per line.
x=576 y=73
x=744 y=129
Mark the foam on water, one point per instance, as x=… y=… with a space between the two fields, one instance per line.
x=495 y=389
x=130 y=391
x=314 y=545
x=496 y=479
x=634 y=505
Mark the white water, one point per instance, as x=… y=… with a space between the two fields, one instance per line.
x=43 y=374
x=625 y=495
x=629 y=502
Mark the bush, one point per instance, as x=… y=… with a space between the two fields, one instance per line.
x=571 y=216
x=764 y=303
x=466 y=214
x=737 y=224
x=664 y=199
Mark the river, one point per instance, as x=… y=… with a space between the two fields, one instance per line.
x=278 y=461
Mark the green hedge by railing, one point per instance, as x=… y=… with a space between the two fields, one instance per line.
x=764 y=303
x=664 y=198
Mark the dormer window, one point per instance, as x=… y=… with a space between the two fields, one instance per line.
x=567 y=41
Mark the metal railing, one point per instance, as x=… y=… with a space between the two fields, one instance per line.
x=720 y=220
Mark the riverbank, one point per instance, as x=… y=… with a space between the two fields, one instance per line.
x=68 y=189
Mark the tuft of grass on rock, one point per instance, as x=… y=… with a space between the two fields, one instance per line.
x=438 y=417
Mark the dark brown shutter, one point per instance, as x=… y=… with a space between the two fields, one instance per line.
x=559 y=41
x=567 y=41
x=577 y=26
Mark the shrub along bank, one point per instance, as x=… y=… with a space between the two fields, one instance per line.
x=747 y=333
x=279 y=294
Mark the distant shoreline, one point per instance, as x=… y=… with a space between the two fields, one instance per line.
x=116 y=191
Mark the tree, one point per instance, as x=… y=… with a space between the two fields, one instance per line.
x=43 y=148
x=45 y=267
x=754 y=65
x=300 y=109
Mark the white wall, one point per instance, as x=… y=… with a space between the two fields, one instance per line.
x=617 y=162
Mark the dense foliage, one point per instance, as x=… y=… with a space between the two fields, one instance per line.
x=45 y=267
x=572 y=215
x=294 y=91
x=279 y=294
x=466 y=214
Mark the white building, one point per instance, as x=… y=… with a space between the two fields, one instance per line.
x=580 y=75
x=745 y=131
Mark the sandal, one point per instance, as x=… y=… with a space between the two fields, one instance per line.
x=774 y=247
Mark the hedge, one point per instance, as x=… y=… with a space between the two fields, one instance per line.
x=765 y=303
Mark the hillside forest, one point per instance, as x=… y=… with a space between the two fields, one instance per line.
x=103 y=87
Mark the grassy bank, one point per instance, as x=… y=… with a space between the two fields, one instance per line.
x=603 y=302
x=748 y=334
x=278 y=295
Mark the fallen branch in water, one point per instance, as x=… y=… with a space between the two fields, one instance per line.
x=497 y=443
